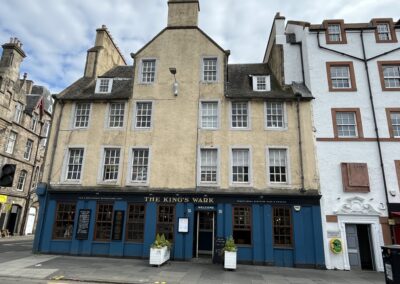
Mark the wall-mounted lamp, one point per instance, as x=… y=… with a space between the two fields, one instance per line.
x=297 y=208
x=175 y=86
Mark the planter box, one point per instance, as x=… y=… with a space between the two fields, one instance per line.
x=158 y=256
x=230 y=259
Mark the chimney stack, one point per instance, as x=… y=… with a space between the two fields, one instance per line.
x=183 y=13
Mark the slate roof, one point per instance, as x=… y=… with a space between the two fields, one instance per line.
x=84 y=88
x=240 y=84
x=31 y=103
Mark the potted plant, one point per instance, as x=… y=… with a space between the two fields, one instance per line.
x=230 y=253
x=160 y=250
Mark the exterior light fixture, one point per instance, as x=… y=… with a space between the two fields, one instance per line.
x=175 y=86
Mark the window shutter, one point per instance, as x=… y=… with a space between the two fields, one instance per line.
x=355 y=177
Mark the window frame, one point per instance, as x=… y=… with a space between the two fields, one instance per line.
x=108 y=116
x=135 y=110
x=205 y=183
x=285 y=120
x=218 y=114
x=14 y=141
x=343 y=36
x=34 y=122
x=250 y=170
x=74 y=116
x=141 y=70
x=102 y=160
x=217 y=75
x=127 y=222
x=35 y=177
x=389 y=111
x=250 y=223
x=392 y=32
x=19 y=109
x=291 y=245
x=98 y=85
x=288 y=166
x=129 y=180
x=23 y=182
x=71 y=203
x=236 y=128
x=29 y=153
x=173 y=205
x=382 y=64
x=95 y=238
x=352 y=78
x=359 y=127
x=267 y=83
x=66 y=163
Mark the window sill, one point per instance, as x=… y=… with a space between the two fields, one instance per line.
x=132 y=183
x=142 y=129
x=385 y=89
x=343 y=90
x=276 y=128
x=70 y=182
x=240 y=129
x=283 y=247
x=108 y=183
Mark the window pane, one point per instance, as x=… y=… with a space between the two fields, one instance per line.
x=148 y=71
x=111 y=164
x=240 y=165
x=278 y=165
x=275 y=114
x=334 y=32
x=242 y=225
x=165 y=221
x=64 y=221
x=395 y=119
x=282 y=227
x=261 y=83
x=135 y=223
x=346 y=124
x=210 y=69
x=391 y=76
x=21 y=180
x=11 y=142
x=209 y=114
x=208 y=165
x=143 y=114
x=82 y=112
x=103 y=222
x=383 y=31
x=140 y=162
x=340 y=77
x=116 y=117
x=75 y=162
x=239 y=114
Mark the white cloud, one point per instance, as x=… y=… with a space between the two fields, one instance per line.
x=56 y=34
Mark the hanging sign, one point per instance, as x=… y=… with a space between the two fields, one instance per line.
x=336 y=245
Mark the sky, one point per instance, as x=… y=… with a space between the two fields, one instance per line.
x=57 y=33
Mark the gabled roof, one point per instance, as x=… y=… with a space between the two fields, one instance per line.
x=240 y=84
x=84 y=88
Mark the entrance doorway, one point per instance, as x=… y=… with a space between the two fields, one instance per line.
x=204 y=237
x=359 y=246
x=13 y=219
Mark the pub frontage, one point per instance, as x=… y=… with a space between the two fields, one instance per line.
x=268 y=230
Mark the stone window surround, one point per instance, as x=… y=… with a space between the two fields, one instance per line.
x=204 y=183
x=360 y=133
x=389 y=120
x=388 y=21
x=348 y=64
x=343 y=32
x=380 y=69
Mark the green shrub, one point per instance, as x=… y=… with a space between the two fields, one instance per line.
x=230 y=245
x=161 y=242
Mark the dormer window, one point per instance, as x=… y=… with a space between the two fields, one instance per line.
x=103 y=85
x=261 y=83
x=384 y=30
x=335 y=33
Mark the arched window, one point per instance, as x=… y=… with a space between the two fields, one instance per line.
x=21 y=180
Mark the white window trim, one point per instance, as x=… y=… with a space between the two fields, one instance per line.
x=134 y=115
x=129 y=181
x=202 y=69
x=101 y=166
x=110 y=84
x=63 y=177
x=30 y=151
x=24 y=183
x=140 y=71
x=34 y=122
x=107 y=116
x=208 y=184
x=267 y=83
x=241 y=184
x=15 y=142
x=248 y=116
x=21 y=112
x=218 y=113
x=285 y=118
x=288 y=183
x=73 y=116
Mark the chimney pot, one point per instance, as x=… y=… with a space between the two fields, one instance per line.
x=25 y=75
x=103 y=26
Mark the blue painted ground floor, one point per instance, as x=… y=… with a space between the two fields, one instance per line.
x=268 y=230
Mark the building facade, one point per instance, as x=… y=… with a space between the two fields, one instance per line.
x=181 y=136
x=25 y=117
x=353 y=72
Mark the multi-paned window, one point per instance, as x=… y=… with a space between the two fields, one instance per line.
x=341 y=76
x=45 y=133
x=240 y=115
x=166 y=220
x=111 y=164
x=34 y=121
x=261 y=83
x=35 y=178
x=209 y=69
x=104 y=85
x=104 y=217
x=242 y=225
x=116 y=115
x=82 y=112
x=275 y=114
x=383 y=30
x=390 y=75
x=240 y=166
x=143 y=114
x=28 y=149
x=209 y=115
x=140 y=165
x=208 y=165
x=21 y=180
x=282 y=227
x=135 y=223
x=278 y=165
x=148 y=70
x=18 y=112
x=393 y=116
x=12 y=137
x=334 y=32
x=64 y=220
x=346 y=124
x=74 y=164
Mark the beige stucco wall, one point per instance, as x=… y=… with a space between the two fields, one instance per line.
x=174 y=137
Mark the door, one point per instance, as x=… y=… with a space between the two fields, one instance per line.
x=205 y=233
x=352 y=246
x=31 y=221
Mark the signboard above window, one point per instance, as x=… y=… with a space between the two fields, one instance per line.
x=261 y=83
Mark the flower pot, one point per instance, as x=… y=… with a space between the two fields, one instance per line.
x=158 y=255
x=230 y=259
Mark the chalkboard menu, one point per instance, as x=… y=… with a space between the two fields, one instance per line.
x=118 y=225
x=219 y=245
x=82 y=232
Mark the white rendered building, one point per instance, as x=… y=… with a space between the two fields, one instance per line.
x=353 y=72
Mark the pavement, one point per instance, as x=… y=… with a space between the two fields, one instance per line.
x=19 y=265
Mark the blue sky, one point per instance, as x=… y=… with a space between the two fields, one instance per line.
x=56 y=33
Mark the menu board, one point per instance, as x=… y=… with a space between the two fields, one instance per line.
x=219 y=245
x=118 y=225
x=82 y=232
x=183 y=225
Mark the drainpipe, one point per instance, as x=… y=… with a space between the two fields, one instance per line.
x=302 y=189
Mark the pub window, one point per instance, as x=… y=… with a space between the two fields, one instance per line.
x=166 y=220
x=242 y=225
x=64 y=221
x=104 y=217
x=282 y=227
x=135 y=223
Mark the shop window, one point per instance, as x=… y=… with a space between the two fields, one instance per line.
x=282 y=227
x=64 y=221
x=242 y=225
x=355 y=177
x=166 y=220
x=104 y=217
x=135 y=223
